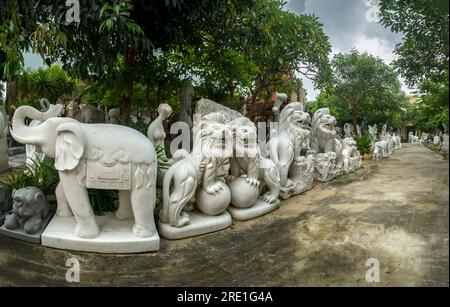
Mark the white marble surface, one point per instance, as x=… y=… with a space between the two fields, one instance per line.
x=200 y=224
x=260 y=208
x=115 y=236
x=86 y=158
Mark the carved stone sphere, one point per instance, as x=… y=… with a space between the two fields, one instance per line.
x=243 y=194
x=213 y=204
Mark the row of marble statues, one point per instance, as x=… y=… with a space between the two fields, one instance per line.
x=384 y=144
x=439 y=139
x=229 y=173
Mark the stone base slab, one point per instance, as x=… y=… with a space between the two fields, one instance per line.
x=20 y=234
x=260 y=208
x=200 y=224
x=115 y=236
x=296 y=189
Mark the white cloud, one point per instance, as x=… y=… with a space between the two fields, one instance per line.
x=345 y=23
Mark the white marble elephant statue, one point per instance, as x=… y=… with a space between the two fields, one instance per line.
x=100 y=156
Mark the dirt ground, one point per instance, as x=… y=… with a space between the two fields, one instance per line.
x=394 y=210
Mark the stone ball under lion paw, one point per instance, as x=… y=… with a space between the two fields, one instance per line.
x=213 y=204
x=243 y=194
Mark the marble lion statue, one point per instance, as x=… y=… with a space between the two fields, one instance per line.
x=323 y=134
x=380 y=150
x=201 y=167
x=286 y=144
x=350 y=154
x=247 y=158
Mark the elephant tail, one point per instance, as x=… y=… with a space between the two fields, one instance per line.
x=164 y=215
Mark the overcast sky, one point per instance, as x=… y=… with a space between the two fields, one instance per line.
x=347 y=23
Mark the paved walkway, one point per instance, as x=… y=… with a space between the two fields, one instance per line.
x=394 y=210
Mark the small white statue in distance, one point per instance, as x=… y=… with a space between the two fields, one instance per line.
x=373 y=131
x=397 y=141
x=445 y=143
x=348 y=130
x=114 y=116
x=156 y=132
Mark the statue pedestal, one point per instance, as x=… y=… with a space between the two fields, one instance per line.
x=354 y=164
x=200 y=224
x=296 y=189
x=301 y=180
x=325 y=168
x=260 y=208
x=20 y=234
x=115 y=236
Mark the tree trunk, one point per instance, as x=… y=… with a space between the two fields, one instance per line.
x=147 y=97
x=11 y=95
x=129 y=59
x=126 y=103
x=186 y=94
x=355 y=121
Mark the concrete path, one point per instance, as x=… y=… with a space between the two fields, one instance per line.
x=394 y=210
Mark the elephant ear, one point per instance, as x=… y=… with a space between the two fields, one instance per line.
x=70 y=144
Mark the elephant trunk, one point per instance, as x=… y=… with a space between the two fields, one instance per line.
x=25 y=134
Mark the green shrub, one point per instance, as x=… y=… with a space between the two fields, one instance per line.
x=139 y=126
x=162 y=165
x=364 y=143
x=41 y=174
x=102 y=200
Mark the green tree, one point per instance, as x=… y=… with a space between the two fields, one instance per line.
x=431 y=112
x=284 y=44
x=424 y=51
x=365 y=86
x=50 y=83
x=231 y=46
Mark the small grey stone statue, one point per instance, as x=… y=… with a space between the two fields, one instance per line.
x=29 y=211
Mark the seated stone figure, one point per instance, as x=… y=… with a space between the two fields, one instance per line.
x=247 y=159
x=285 y=149
x=29 y=211
x=351 y=156
x=114 y=116
x=325 y=145
x=198 y=172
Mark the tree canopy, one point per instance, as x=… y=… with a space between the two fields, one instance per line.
x=228 y=47
x=423 y=56
x=423 y=53
x=363 y=87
